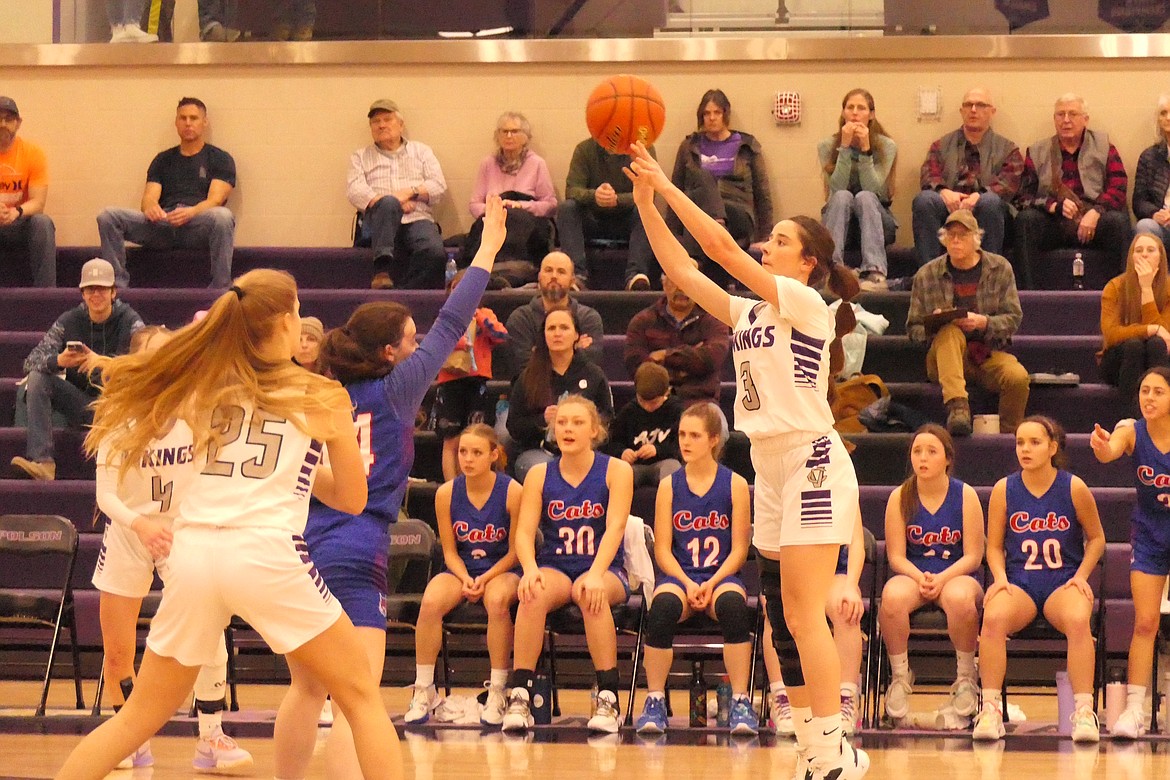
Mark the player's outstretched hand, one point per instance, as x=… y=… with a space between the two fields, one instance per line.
x=494 y=229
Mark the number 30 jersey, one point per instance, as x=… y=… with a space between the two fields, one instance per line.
x=573 y=518
x=781 y=357
x=700 y=525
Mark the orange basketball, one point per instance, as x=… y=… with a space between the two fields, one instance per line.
x=624 y=109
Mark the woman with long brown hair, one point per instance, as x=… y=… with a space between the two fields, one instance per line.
x=857 y=163
x=1135 y=318
x=258 y=423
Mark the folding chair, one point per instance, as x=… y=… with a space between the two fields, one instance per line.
x=38 y=593
x=1161 y=645
x=409 y=566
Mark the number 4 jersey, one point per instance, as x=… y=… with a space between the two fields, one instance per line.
x=782 y=361
x=156 y=487
x=1043 y=542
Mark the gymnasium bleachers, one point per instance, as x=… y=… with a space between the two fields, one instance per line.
x=1058 y=335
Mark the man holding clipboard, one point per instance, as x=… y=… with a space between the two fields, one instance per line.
x=965 y=308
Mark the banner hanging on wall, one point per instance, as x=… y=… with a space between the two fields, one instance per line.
x=1021 y=12
x=1134 y=16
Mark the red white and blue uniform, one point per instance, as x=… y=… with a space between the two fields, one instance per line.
x=572 y=520
x=351 y=550
x=1043 y=541
x=481 y=535
x=934 y=540
x=701 y=528
x=1150 y=529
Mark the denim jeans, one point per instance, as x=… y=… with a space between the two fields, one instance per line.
x=122 y=12
x=930 y=212
x=37 y=234
x=44 y=394
x=576 y=223
x=1151 y=227
x=874 y=223
x=214 y=230
x=420 y=242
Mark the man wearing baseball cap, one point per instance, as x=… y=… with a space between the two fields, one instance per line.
x=24 y=187
x=100 y=325
x=965 y=308
x=395 y=183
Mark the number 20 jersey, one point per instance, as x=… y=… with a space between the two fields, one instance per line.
x=781 y=358
x=1043 y=540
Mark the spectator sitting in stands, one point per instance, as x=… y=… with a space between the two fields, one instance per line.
x=556 y=369
x=857 y=164
x=520 y=176
x=126 y=22
x=293 y=20
x=599 y=204
x=395 y=183
x=182 y=204
x=101 y=325
x=645 y=432
x=973 y=168
x=554 y=280
x=1135 y=319
x=1151 y=183
x=24 y=188
x=688 y=341
x=723 y=171
x=1072 y=193
x=312 y=333
x=972 y=280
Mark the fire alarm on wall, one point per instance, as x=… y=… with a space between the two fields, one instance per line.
x=786 y=108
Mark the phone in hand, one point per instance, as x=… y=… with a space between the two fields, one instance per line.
x=75 y=346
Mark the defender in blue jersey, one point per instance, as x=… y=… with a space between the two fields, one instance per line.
x=934 y=546
x=475 y=513
x=580 y=503
x=1149 y=442
x=1044 y=538
x=702 y=532
x=378 y=358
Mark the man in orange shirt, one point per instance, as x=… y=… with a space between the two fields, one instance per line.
x=24 y=186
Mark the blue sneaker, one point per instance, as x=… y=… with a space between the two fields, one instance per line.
x=743 y=719
x=653 y=717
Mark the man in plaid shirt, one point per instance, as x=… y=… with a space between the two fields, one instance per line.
x=395 y=182
x=1072 y=194
x=971 y=168
x=980 y=285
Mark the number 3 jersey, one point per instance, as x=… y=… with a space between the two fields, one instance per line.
x=781 y=358
x=573 y=518
x=1043 y=540
x=1151 y=512
x=700 y=525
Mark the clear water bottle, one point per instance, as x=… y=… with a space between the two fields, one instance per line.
x=449 y=274
x=1078 y=272
x=593 y=700
x=723 y=698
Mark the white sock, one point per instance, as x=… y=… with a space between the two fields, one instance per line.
x=993 y=696
x=824 y=745
x=900 y=664
x=965 y=663
x=848 y=690
x=499 y=678
x=656 y=695
x=1135 y=697
x=777 y=688
x=208 y=723
x=802 y=725
x=1083 y=700
x=424 y=676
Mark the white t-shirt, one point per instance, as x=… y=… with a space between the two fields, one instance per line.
x=261 y=476
x=161 y=481
x=781 y=360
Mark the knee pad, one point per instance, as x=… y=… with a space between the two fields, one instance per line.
x=735 y=619
x=662 y=621
x=781 y=637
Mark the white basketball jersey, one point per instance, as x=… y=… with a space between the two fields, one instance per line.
x=260 y=475
x=781 y=359
x=158 y=484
